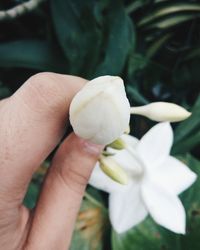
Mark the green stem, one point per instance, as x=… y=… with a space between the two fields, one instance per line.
x=94 y=201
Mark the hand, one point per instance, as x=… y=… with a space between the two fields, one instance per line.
x=32 y=123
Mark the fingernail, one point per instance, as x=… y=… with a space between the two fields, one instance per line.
x=91 y=148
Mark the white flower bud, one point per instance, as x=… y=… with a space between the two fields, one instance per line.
x=100 y=111
x=162 y=111
x=113 y=170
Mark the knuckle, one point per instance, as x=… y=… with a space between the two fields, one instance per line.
x=73 y=179
x=46 y=88
x=43 y=92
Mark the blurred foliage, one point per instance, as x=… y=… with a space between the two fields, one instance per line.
x=92 y=225
x=154 y=45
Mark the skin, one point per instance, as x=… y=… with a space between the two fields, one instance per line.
x=33 y=122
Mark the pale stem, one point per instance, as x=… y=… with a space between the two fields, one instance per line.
x=138 y=110
x=19 y=10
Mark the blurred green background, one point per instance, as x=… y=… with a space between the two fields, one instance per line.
x=154 y=45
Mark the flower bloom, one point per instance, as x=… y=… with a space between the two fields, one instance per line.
x=155 y=181
x=100 y=111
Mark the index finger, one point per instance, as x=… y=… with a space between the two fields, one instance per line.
x=32 y=124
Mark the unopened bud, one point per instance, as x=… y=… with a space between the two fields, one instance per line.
x=162 y=111
x=113 y=170
x=100 y=111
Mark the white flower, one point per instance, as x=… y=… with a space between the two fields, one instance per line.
x=100 y=111
x=155 y=181
x=162 y=111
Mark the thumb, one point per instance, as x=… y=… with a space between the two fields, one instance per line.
x=62 y=193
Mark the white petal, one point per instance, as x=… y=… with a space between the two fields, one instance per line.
x=174 y=175
x=165 y=207
x=155 y=145
x=126 y=209
x=101 y=181
x=130 y=140
x=126 y=160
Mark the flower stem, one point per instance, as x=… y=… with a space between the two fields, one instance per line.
x=138 y=110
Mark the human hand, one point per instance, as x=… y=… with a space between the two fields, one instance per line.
x=32 y=123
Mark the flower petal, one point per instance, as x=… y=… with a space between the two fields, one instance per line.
x=155 y=145
x=127 y=161
x=174 y=175
x=165 y=207
x=101 y=181
x=126 y=209
x=130 y=140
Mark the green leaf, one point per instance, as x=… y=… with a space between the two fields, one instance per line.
x=187 y=134
x=136 y=5
x=157 y=45
x=35 y=185
x=32 y=54
x=95 y=37
x=32 y=195
x=173 y=21
x=4 y=91
x=136 y=96
x=186 y=77
x=191 y=198
x=120 y=40
x=78 y=32
x=192 y=54
x=170 y=9
x=135 y=63
x=144 y=236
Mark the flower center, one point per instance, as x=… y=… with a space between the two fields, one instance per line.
x=138 y=170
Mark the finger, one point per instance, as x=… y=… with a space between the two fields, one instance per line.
x=62 y=194
x=32 y=123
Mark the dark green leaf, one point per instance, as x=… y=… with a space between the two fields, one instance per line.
x=31 y=195
x=194 y=53
x=156 y=45
x=4 y=91
x=96 y=37
x=78 y=32
x=170 y=9
x=135 y=63
x=31 y=54
x=187 y=134
x=136 y=5
x=119 y=42
x=169 y=22
x=136 y=96
x=142 y=237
